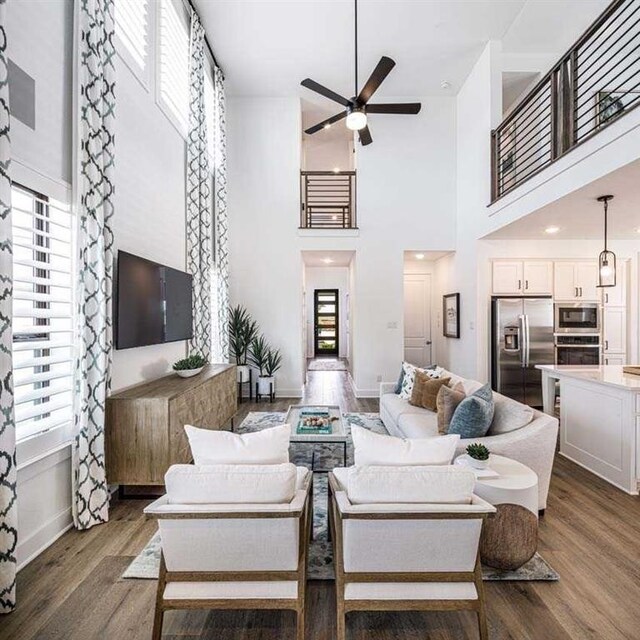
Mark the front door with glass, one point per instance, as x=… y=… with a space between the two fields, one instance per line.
x=326 y=316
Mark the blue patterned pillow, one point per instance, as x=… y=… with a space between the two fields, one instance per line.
x=398 y=388
x=472 y=417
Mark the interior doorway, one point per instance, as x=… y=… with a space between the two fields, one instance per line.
x=326 y=323
x=417 y=319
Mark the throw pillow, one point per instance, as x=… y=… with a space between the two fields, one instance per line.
x=373 y=448
x=409 y=374
x=269 y=446
x=398 y=388
x=446 y=404
x=509 y=415
x=430 y=390
x=472 y=418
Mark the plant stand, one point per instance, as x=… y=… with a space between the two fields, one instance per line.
x=250 y=383
x=271 y=395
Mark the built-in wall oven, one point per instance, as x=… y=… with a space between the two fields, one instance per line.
x=576 y=317
x=577 y=349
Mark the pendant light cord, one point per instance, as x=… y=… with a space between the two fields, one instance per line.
x=355 y=90
x=606 y=208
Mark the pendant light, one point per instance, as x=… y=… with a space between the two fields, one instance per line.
x=606 y=259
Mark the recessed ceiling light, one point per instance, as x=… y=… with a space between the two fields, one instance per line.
x=327 y=260
x=334 y=217
x=638 y=229
x=552 y=229
x=336 y=169
x=420 y=256
x=327 y=126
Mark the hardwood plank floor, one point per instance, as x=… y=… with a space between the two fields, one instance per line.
x=590 y=535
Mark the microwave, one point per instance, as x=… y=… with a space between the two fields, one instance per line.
x=577 y=317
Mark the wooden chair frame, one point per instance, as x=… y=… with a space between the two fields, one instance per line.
x=336 y=518
x=304 y=516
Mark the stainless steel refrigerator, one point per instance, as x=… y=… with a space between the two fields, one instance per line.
x=522 y=337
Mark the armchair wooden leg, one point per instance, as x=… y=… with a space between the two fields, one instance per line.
x=158 y=617
x=157 y=624
x=300 y=625
x=482 y=624
x=341 y=624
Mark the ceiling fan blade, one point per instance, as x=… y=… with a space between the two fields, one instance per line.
x=323 y=91
x=365 y=136
x=375 y=79
x=324 y=123
x=409 y=108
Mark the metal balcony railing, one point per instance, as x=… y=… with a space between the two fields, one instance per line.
x=596 y=82
x=328 y=200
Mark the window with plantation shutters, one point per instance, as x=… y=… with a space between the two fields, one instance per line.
x=132 y=34
x=42 y=312
x=174 y=63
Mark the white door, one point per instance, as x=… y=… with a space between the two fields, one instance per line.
x=564 y=286
x=538 y=278
x=507 y=277
x=615 y=329
x=417 y=319
x=587 y=281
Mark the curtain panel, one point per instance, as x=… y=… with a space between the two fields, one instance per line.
x=199 y=206
x=8 y=508
x=221 y=226
x=94 y=201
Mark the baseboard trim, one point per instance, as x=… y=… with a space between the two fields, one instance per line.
x=30 y=548
x=362 y=393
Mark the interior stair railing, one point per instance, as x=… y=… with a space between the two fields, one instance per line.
x=327 y=200
x=596 y=82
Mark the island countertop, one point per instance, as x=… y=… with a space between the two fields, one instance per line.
x=610 y=374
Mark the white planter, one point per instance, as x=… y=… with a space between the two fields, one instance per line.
x=477 y=464
x=264 y=385
x=189 y=373
x=242 y=373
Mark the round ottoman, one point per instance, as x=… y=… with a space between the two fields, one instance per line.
x=510 y=537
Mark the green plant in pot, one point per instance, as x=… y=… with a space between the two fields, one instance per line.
x=272 y=364
x=267 y=361
x=478 y=455
x=243 y=329
x=189 y=366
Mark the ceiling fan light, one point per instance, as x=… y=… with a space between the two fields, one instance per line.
x=356 y=120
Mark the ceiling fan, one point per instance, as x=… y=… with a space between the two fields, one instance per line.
x=358 y=107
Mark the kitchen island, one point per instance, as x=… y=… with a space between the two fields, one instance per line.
x=599 y=419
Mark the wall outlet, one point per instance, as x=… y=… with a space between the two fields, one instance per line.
x=392 y=325
x=378 y=378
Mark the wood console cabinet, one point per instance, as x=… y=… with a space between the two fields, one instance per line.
x=145 y=423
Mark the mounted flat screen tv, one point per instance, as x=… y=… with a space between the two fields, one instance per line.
x=152 y=303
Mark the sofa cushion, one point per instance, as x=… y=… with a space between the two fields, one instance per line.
x=419 y=425
x=446 y=404
x=409 y=485
x=509 y=415
x=269 y=446
x=396 y=406
x=231 y=484
x=375 y=449
x=425 y=390
x=408 y=378
x=472 y=418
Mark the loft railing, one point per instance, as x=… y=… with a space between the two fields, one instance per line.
x=596 y=82
x=328 y=200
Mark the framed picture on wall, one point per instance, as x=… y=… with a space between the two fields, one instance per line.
x=451 y=315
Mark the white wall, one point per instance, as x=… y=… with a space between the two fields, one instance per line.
x=327 y=278
x=149 y=221
x=320 y=154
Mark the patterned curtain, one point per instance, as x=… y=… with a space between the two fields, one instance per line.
x=8 y=510
x=221 y=236
x=199 y=213
x=95 y=195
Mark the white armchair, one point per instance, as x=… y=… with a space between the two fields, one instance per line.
x=425 y=554
x=246 y=549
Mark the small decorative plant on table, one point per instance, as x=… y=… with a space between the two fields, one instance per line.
x=267 y=361
x=478 y=455
x=243 y=330
x=190 y=366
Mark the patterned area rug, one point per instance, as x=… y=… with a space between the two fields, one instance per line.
x=146 y=565
x=327 y=364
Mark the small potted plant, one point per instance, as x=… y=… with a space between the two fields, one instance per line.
x=242 y=331
x=478 y=455
x=258 y=351
x=272 y=364
x=190 y=366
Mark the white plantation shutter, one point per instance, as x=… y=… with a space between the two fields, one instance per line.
x=174 y=62
x=42 y=312
x=132 y=31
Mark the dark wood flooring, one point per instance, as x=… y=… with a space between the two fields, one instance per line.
x=590 y=535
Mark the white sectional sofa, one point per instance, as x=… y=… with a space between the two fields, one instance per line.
x=533 y=444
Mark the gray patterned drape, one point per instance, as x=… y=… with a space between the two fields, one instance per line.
x=199 y=212
x=8 y=509
x=95 y=196
x=221 y=256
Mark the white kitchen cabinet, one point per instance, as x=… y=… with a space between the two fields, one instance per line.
x=614 y=330
x=507 y=277
x=538 y=277
x=618 y=358
x=575 y=281
x=617 y=296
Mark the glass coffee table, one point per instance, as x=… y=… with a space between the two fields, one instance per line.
x=336 y=435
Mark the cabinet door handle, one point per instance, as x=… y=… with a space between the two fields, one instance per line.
x=576 y=292
x=526 y=284
x=519 y=285
x=606 y=360
x=606 y=297
x=581 y=292
x=606 y=345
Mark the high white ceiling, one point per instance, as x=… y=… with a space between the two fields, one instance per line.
x=579 y=215
x=267 y=47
